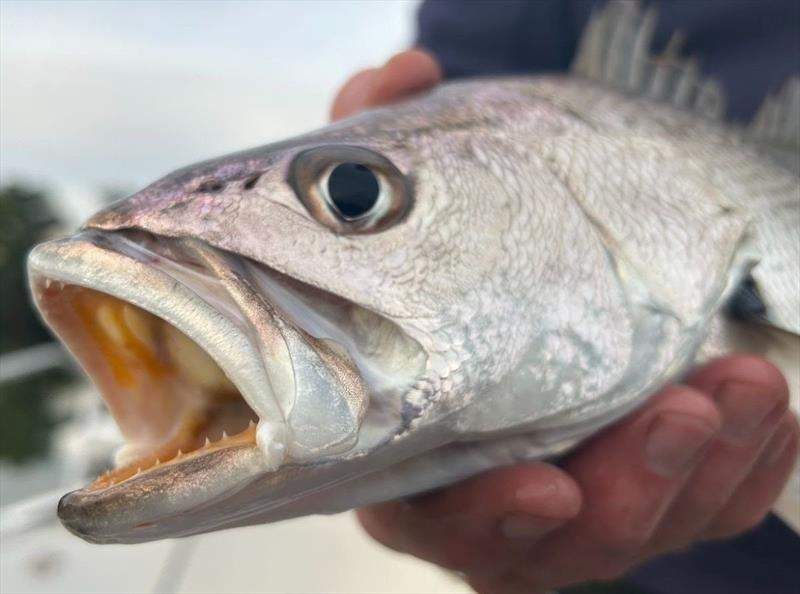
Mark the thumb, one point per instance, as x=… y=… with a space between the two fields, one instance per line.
x=406 y=73
x=353 y=96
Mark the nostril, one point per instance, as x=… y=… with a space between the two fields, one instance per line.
x=251 y=181
x=210 y=186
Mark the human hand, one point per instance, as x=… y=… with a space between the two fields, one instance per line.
x=700 y=460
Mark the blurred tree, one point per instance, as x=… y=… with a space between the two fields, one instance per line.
x=24 y=221
x=25 y=417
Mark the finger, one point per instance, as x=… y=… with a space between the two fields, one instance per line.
x=629 y=475
x=406 y=73
x=752 y=501
x=353 y=95
x=752 y=397
x=477 y=525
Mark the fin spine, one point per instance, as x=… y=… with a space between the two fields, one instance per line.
x=615 y=50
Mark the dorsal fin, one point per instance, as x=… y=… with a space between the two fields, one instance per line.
x=776 y=125
x=615 y=50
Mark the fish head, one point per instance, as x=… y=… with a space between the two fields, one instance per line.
x=270 y=325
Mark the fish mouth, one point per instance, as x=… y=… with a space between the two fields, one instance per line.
x=216 y=369
x=169 y=397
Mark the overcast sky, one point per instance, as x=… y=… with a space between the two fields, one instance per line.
x=115 y=94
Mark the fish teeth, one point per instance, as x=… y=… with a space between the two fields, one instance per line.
x=207 y=443
x=47 y=283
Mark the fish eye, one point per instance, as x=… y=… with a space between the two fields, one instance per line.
x=350 y=189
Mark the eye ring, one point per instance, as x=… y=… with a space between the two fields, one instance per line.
x=368 y=194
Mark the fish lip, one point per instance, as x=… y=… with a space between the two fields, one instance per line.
x=73 y=520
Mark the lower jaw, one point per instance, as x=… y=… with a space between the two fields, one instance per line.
x=171 y=453
x=166 y=501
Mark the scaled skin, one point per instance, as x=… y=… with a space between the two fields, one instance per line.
x=700 y=460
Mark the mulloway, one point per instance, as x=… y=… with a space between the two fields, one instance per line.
x=487 y=273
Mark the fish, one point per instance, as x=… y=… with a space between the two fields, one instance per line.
x=486 y=273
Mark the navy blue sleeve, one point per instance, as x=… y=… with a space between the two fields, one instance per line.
x=498 y=37
x=762 y=561
x=750 y=46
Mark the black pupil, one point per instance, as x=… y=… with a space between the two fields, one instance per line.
x=353 y=189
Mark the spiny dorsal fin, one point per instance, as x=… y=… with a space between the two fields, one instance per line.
x=615 y=50
x=777 y=122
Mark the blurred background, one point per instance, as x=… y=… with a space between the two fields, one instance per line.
x=97 y=99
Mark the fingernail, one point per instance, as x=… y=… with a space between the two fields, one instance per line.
x=674 y=443
x=775 y=449
x=525 y=527
x=744 y=408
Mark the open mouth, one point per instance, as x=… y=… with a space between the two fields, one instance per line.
x=196 y=351
x=170 y=399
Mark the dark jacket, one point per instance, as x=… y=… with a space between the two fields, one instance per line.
x=750 y=46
